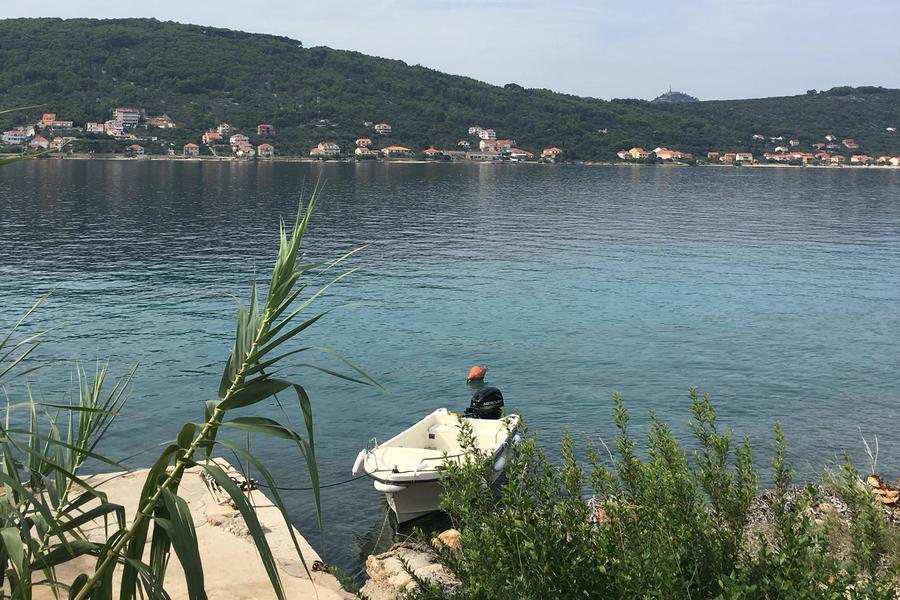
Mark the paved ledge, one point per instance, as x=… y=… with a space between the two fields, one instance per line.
x=231 y=565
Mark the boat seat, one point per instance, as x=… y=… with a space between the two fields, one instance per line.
x=444 y=438
x=408 y=459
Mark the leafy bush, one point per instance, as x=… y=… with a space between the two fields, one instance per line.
x=658 y=522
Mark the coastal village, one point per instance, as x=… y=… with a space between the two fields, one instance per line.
x=785 y=150
x=482 y=144
x=52 y=133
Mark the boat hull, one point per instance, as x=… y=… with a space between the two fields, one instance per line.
x=407 y=468
x=422 y=498
x=417 y=500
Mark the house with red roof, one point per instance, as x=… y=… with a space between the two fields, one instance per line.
x=664 y=154
x=518 y=154
x=265 y=150
x=363 y=142
x=15 y=136
x=552 y=153
x=432 y=152
x=113 y=129
x=39 y=141
x=850 y=143
x=212 y=137
x=135 y=150
x=265 y=130
x=395 y=151
x=383 y=129
x=245 y=151
x=364 y=152
x=861 y=159
x=190 y=149
x=496 y=145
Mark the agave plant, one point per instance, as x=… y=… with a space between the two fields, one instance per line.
x=41 y=509
x=42 y=506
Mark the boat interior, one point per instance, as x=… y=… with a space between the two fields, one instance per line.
x=424 y=446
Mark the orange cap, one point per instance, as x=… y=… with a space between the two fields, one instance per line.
x=476 y=373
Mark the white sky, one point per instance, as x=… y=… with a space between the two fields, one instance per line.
x=708 y=48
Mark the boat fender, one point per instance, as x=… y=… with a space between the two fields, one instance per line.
x=388 y=488
x=360 y=459
x=500 y=464
x=517 y=438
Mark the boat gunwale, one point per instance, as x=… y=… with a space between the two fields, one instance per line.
x=434 y=474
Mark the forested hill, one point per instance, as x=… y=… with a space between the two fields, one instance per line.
x=199 y=76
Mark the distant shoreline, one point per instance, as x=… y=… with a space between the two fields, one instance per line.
x=302 y=159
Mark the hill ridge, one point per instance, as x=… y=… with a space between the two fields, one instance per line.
x=200 y=76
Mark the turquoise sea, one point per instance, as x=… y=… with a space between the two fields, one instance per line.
x=776 y=290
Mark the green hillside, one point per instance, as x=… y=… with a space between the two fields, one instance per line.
x=82 y=68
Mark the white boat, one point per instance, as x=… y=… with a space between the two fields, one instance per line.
x=407 y=467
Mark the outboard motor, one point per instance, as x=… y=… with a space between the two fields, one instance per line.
x=487 y=403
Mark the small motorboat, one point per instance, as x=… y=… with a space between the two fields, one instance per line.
x=407 y=467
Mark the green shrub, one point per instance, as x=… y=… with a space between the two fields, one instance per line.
x=653 y=522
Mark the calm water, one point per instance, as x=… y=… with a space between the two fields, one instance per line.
x=776 y=290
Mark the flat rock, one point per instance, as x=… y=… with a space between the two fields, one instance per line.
x=389 y=580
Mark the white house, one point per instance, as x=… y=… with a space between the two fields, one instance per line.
x=487 y=156
x=126 y=117
x=14 y=136
x=113 y=128
x=382 y=128
x=191 y=149
x=224 y=129
x=238 y=139
x=328 y=149
x=487 y=134
x=95 y=128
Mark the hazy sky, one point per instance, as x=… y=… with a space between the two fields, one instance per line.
x=709 y=48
